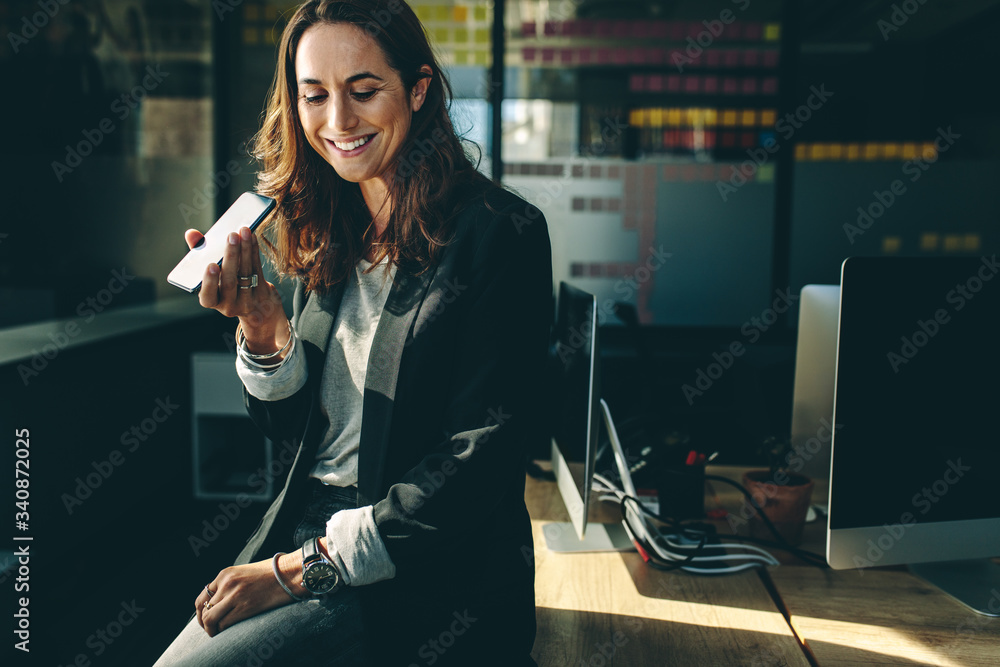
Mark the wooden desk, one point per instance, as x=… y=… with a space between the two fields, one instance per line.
x=611 y=609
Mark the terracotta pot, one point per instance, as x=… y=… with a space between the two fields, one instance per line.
x=785 y=499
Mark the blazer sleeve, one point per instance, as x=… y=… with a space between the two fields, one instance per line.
x=494 y=398
x=284 y=419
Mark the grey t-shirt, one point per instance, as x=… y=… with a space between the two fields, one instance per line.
x=342 y=385
x=352 y=537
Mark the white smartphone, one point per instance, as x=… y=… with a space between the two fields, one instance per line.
x=247 y=211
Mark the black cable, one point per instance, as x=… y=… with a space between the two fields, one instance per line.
x=654 y=558
x=657 y=562
x=781 y=544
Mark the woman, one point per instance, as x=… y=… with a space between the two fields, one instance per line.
x=407 y=379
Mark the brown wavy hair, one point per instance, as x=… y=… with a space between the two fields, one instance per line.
x=318 y=229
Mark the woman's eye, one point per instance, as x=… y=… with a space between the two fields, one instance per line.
x=314 y=99
x=366 y=95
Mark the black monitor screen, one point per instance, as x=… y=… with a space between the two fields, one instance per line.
x=574 y=384
x=917 y=392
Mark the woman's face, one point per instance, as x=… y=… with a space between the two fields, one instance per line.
x=354 y=108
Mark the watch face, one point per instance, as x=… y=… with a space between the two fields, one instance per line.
x=320 y=578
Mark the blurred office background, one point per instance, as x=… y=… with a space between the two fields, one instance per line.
x=697 y=163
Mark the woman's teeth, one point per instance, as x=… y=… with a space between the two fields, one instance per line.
x=350 y=146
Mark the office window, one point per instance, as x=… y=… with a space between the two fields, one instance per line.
x=635 y=129
x=107 y=153
x=903 y=158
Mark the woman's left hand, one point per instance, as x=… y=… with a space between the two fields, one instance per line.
x=242 y=591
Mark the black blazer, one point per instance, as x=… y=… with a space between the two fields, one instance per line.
x=452 y=395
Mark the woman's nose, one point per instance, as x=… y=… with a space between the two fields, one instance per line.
x=341 y=117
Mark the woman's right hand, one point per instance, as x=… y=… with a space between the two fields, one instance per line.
x=259 y=308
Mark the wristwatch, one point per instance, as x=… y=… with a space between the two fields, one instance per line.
x=319 y=575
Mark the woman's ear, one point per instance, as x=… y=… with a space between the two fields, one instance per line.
x=419 y=92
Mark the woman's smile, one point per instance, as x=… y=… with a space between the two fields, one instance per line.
x=352 y=147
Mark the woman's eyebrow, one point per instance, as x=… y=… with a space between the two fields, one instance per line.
x=350 y=79
x=363 y=75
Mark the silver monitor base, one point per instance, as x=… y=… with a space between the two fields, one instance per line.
x=974 y=583
x=562 y=538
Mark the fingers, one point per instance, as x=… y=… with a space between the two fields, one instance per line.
x=244 y=294
x=265 y=296
x=199 y=603
x=193 y=237
x=257 y=268
x=217 y=616
x=211 y=608
x=230 y=269
x=208 y=295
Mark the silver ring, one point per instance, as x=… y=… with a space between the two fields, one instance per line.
x=210 y=593
x=245 y=286
x=252 y=278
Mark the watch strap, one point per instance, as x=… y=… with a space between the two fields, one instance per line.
x=310 y=551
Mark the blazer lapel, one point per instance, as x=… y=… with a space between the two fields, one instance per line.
x=315 y=327
x=394 y=325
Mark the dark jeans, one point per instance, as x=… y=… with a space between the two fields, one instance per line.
x=324 y=631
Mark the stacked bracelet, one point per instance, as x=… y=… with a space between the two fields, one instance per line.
x=277 y=575
x=254 y=359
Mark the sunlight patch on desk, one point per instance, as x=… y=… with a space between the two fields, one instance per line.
x=694 y=613
x=871 y=638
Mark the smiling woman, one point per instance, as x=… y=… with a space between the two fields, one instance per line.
x=356 y=121
x=401 y=535
x=359 y=85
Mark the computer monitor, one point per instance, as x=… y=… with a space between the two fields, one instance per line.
x=815 y=366
x=916 y=457
x=576 y=409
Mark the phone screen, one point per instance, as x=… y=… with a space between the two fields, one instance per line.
x=247 y=211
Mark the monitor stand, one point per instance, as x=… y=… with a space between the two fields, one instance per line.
x=974 y=583
x=561 y=537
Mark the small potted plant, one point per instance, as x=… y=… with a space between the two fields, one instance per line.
x=784 y=496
